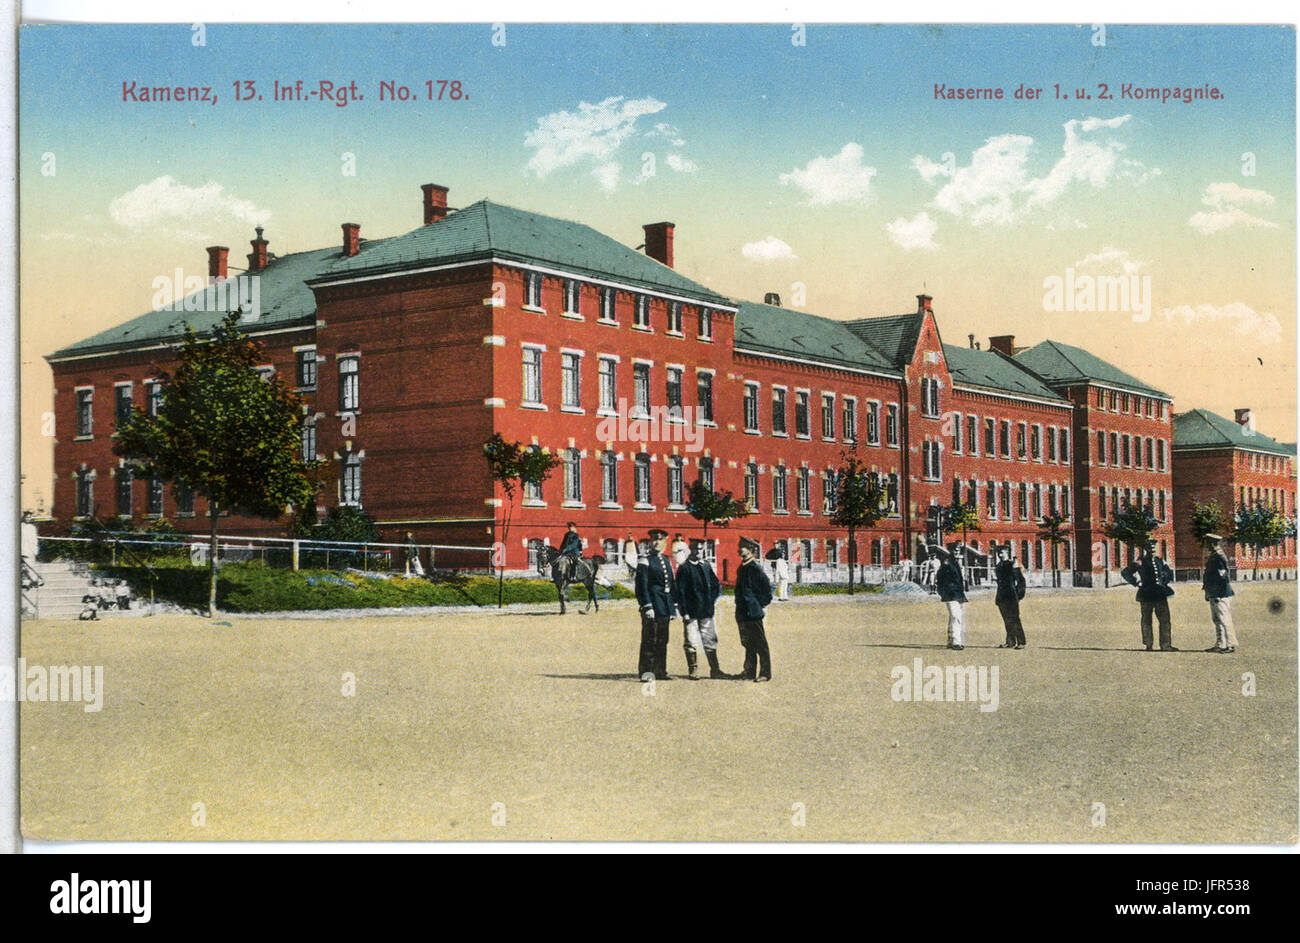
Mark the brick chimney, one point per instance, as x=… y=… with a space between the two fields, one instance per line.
x=217 y=263
x=257 y=258
x=659 y=242
x=1003 y=344
x=1245 y=418
x=923 y=303
x=773 y=299
x=435 y=203
x=351 y=238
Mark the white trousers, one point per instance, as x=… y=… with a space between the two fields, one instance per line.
x=1225 y=636
x=956 y=623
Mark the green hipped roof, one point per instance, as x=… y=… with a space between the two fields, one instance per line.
x=894 y=336
x=485 y=229
x=480 y=231
x=1061 y=363
x=774 y=330
x=283 y=296
x=1201 y=428
x=991 y=370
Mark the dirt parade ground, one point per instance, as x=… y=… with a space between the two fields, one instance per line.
x=528 y=725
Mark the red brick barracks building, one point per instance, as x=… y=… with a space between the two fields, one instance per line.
x=412 y=351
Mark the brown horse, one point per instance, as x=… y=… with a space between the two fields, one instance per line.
x=563 y=575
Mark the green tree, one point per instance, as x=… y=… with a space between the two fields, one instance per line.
x=233 y=436
x=859 y=502
x=1132 y=526
x=514 y=466
x=708 y=506
x=1055 y=530
x=1260 y=526
x=1208 y=518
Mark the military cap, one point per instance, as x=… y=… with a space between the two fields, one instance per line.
x=657 y=534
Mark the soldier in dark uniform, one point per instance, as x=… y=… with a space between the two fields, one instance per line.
x=1011 y=589
x=571 y=549
x=655 y=593
x=951 y=586
x=1218 y=593
x=697 y=592
x=753 y=593
x=1152 y=576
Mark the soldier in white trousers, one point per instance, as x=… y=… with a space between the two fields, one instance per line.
x=1218 y=593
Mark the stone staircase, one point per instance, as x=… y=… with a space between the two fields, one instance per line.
x=62 y=586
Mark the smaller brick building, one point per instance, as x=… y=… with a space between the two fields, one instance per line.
x=1229 y=461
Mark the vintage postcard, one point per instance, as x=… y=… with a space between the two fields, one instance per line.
x=705 y=433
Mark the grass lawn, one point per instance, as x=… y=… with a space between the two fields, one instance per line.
x=455 y=713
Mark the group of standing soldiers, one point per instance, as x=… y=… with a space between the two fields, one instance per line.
x=1149 y=573
x=691 y=589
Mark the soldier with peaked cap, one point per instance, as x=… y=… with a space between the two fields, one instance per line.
x=1152 y=577
x=1218 y=593
x=753 y=593
x=655 y=594
x=697 y=592
x=951 y=587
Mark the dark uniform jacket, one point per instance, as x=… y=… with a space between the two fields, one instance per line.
x=949 y=582
x=572 y=543
x=1215 y=581
x=1151 y=577
x=655 y=588
x=753 y=592
x=1011 y=581
x=697 y=589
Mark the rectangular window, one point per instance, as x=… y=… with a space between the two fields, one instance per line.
x=1150 y=453
x=156 y=497
x=641 y=318
x=1051 y=443
x=572 y=297
x=779 y=489
x=1022 y=501
x=571 y=375
x=1037 y=494
x=122 y=403
x=674 y=317
x=532 y=391
x=891 y=424
x=778 y=411
x=124 y=489
x=706 y=472
x=1006 y=500
x=607 y=311
x=706 y=324
x=828 y=416
x=1036 y=443
x=828 y=492
x=849 y=423
x=309 y=439
x=675 y=482
x=803 y=489
x=957 y=429
x=85 y=495
x=991 y=500
x=349 y=384
x=1021 y=432
x=573 y=476
x=1101 y=448
x=305 y=368
x=154 y=393
x=1160 y=454
x=85 y=412
x=674 y=392
x=704 y=389
x=751 y=486
x=641 y=388
x=1065 y=500
x=751 y=407
x=873 y=423
x=1128 y=453
x=1005 y=437
x=891 y=494
x=641 y=479
x=801 y=426
x=990 y=434
x=608 y=384
x=533 y=290
x=532 y=489
x=351 y=485
x=1065 y=446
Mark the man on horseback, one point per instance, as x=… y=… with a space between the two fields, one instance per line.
x=570 y=550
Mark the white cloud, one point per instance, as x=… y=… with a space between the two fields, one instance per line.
x=996 y=187
x=915 y=233
x=839 y=179
x=1110 y=259
x=1236 y=316
x=770 y=249
x=592 y=135
x=1226 y=202
x=683 y=165
x=165 y=203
